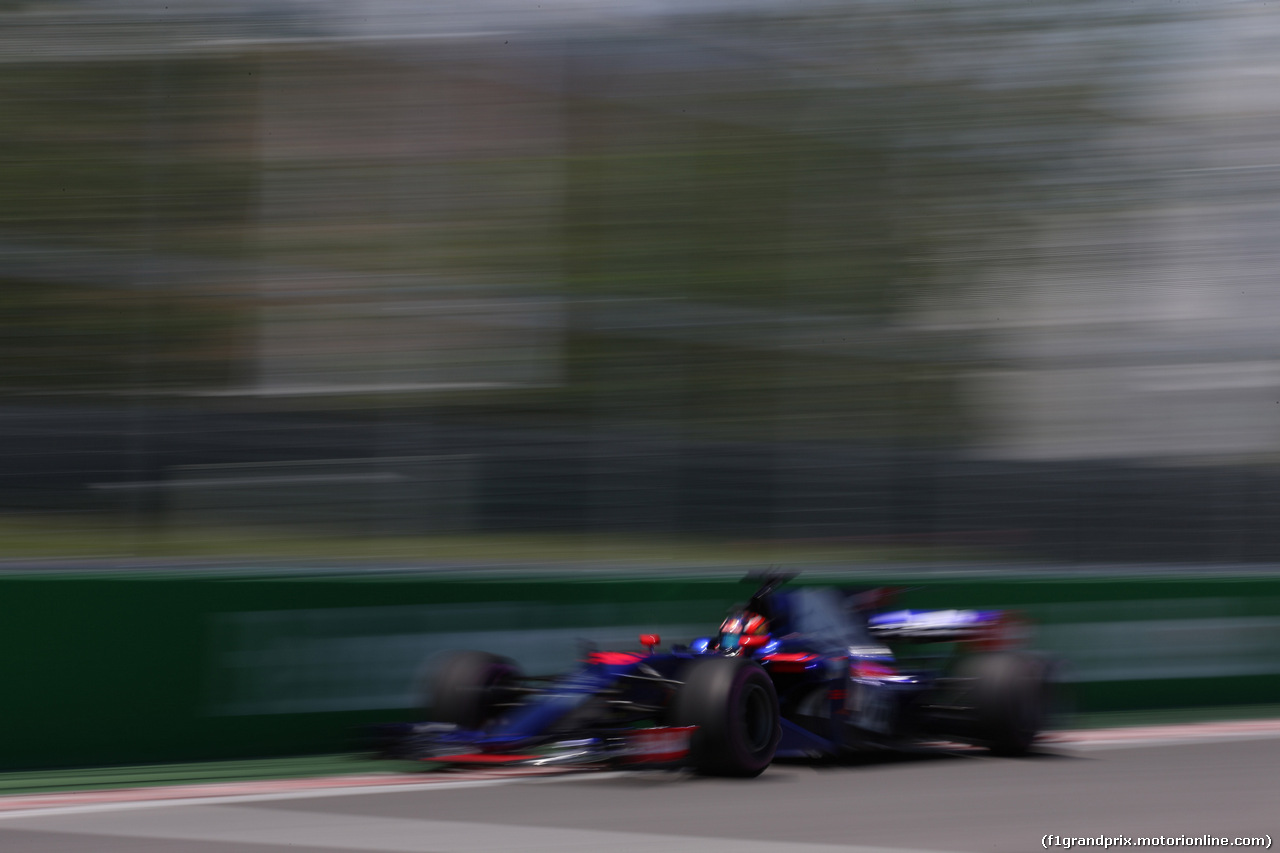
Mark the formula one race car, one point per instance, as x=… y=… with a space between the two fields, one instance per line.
x=805 y=671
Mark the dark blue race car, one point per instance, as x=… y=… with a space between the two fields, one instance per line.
x=797 y=672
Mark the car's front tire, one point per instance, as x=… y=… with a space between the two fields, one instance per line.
x=468 y=687
x=733 y=703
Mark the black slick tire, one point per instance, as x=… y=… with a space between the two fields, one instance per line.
x=733 y=703
x=1009 y=693
x=468 y=686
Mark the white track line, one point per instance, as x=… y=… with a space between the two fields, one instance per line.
x=1167 y=735
x=82 y=802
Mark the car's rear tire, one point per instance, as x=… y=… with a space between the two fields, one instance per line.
x=468 y=687
x=1009 y=695
x=735 y=707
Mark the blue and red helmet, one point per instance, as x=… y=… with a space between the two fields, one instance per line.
x=744 y=630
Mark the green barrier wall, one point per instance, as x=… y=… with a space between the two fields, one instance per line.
x=148 y=668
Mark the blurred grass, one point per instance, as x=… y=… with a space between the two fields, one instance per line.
x=87 y=537
x=204 y=772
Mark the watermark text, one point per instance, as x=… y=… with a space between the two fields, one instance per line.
x=1108 y=841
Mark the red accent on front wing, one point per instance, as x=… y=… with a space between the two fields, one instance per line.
x=659 y=745
x=616 y=658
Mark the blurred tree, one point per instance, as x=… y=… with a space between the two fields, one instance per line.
x=795 y=208
x=112 y=172
x=753 y=208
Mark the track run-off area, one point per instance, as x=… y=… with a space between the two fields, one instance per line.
x=1204 y=779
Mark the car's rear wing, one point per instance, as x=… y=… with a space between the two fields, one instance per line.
x=990 y=628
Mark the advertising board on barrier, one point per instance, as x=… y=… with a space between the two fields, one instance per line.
x=346 y=659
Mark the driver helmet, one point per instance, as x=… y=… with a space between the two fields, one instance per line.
x=740 y=626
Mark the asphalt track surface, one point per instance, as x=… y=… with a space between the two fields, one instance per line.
x=957 y=801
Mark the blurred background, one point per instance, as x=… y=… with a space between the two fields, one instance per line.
x=857 y=280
